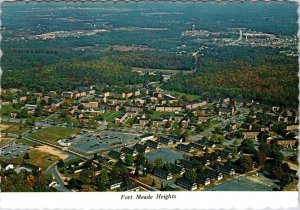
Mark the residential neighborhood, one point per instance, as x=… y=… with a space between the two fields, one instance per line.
x=145 y=139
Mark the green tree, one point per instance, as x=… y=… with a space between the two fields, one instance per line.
x=153 y=183
x=245 y=162
x=61 y=163
x=277 y=156
x=85 y=176
x=190 y=175
x=26 y=156
x=30 y=121
x=38 y=111
x=218 y=138
x=129 y=159
x=102 y=180
x=204 y=139
x=158 y=162
x=247 y=146
x=185 y=136
x=115 y=172
x=74 y=184
x=80 y=107
x=260 y=157
x=140 y=159
x=266 y=148
x=43 y=103
x=199 y=167
x=23 y=113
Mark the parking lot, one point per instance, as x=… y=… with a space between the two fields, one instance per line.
x=88 y=142
x=14 y=149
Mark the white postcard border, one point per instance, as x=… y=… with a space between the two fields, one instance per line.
x=183 y=200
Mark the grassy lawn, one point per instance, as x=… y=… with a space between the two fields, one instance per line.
x=53 y=134
x=180 y=95
x=129 y=120
x=157 y=115
x=29 y=143
x=110 y=116
x=73 y=160
x=175 y=124
x=6 y=110
x=42 y=159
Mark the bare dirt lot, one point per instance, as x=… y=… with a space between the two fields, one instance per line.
x=52 y=151
x=3 y=127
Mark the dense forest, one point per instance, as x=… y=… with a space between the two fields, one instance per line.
x=252 y=72
x=72 y=74
x=257 y=73
x=155 y=60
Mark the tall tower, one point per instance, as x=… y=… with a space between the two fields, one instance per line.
x=193 y=27
x=241 y=34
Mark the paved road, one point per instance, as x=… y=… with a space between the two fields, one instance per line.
x=10 y=135
x=61 y=185
x=14 y=120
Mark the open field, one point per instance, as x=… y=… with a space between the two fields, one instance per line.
x=42 y=159
x=110 y=116
x=187 y=97
x=157 y=115
x=53 y=134
x=42 y=156
x=4 y=127
x=52 y=151
x=6 y=109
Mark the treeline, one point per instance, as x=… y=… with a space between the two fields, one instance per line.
x=73 y=74
x=25 y=182
x=154 y=60
x=270 y=78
